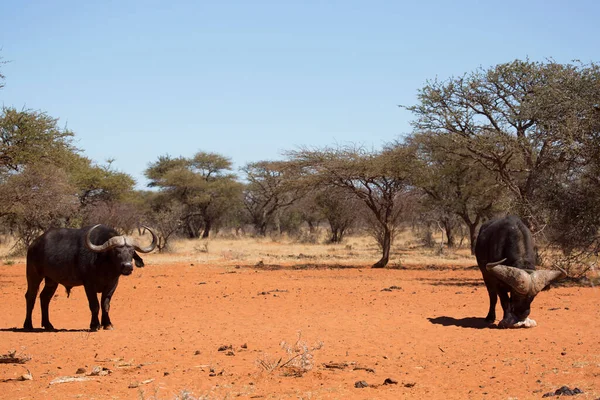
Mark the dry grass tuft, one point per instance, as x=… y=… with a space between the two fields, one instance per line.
x=297 y=360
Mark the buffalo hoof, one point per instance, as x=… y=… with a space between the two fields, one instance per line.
x=510 y=321
x=49 y=327
x=527 y=323
x=94 y=328
x=27 y=326
x=108 y=327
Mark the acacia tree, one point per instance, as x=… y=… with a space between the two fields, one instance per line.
x=527 y=122
x=202 y=184
x=454 y=186
x=272 y=186
x=35 y=189
x=105 y=195
x=574 y=205
x=166 y=214
x=340 y=209
x=31 y=137
x=38 y=198
x=380 y=180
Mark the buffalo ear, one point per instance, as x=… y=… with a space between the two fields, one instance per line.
x=541 y=279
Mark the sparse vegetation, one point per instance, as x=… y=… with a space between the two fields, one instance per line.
x=296 y=360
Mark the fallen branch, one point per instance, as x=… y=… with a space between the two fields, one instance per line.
x=24 y=377
x=12 y=358
x=67 y=379
x=334 y=365
x=134 y=385
x=357 y=368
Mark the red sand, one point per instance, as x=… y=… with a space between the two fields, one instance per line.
x=170 y=321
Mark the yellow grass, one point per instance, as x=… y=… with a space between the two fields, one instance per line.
x=354 y=251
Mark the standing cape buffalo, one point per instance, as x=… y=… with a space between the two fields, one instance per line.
x=93 y=257
x=506 y=257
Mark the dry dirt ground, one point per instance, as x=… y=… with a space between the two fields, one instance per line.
x=186 y=328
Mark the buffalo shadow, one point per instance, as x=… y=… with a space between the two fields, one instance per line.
x=468 y=322
x=41 y=330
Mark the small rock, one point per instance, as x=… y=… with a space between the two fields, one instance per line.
x=230 y=353
x=197 y=352
x=80 y=371
x=100 y=371
x=564 y=391
x=410 y=384
x=390 y=381
x=361 y=384
x=26 y=377
x=166 y=373
x=244 y=346
x=225 y=347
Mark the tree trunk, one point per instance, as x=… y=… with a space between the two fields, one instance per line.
x=341 y=235
x=192 y=231
x=207 y=227
x=473 y=236
x=472 y=227
x=385 y=247
x=262 y=229
x=450 y=235
x=335 y=238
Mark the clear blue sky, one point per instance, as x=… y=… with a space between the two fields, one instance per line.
x=249 y=79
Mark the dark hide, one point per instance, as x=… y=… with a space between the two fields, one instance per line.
x=60 y=256
x=498 y=239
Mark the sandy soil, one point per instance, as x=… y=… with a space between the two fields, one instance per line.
x=426 y=334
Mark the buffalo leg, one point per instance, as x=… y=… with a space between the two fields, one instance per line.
x=105 y=302
x=33 y=285
x=491 y=317
x=94 y=307
x=505 y=303
x=45 y=297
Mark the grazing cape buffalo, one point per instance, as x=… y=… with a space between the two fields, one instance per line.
x=506 y=257
x=94 y=257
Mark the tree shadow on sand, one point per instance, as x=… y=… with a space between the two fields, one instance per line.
x=469 y=322
x=41 y=330
x=458 y=282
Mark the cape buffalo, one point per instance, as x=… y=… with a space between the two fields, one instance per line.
x=506 y=257
x=94 y=257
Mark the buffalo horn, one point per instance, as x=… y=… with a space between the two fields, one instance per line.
x=516 y=278
x=147 y=249
x=493 y=264
x=541 y=279
x=525 y=282
x=111 y=243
